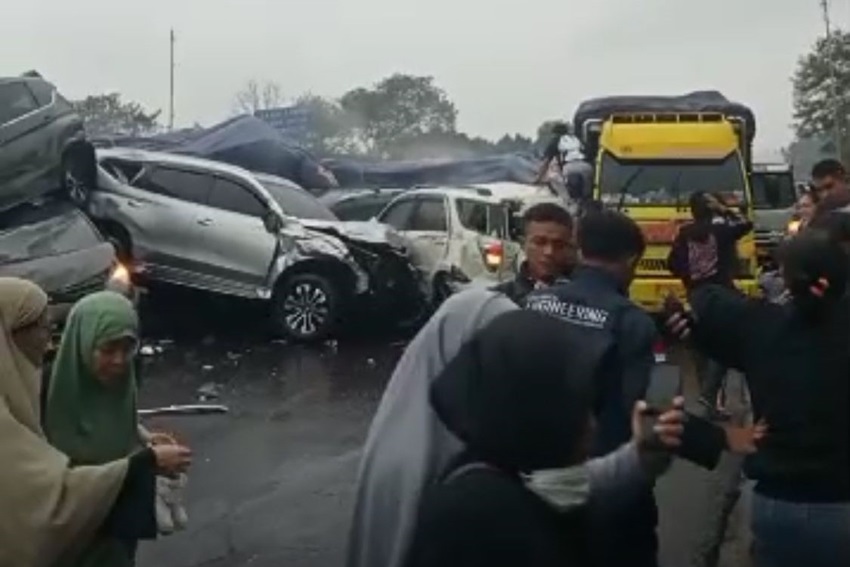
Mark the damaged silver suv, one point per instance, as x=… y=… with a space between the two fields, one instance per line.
x=223 y=229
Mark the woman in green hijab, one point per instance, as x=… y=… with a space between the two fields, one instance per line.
x=91 y=412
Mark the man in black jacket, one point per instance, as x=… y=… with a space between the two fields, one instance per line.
x=596 y=300
x=549 y=249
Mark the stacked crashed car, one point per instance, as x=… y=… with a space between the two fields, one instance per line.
x=42 y=143
x=56 y=246
x=223 y=229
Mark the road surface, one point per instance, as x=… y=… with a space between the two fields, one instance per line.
x=273 y=481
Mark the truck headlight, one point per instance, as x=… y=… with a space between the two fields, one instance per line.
x=793 y=227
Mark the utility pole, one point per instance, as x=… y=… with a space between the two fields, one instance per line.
x=832 y=50
x=171 y=84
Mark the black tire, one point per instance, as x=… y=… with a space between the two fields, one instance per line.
x=306 y=307
x=79 y=173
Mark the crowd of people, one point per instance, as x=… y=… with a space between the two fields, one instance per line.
x=517 y=428
x=515 y=431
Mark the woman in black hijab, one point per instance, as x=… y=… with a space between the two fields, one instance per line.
x=520 y=396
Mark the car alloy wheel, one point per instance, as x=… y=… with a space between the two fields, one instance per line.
x=306 y=309
x=76 y=189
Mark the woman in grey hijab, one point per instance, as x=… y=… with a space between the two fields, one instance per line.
x=407 y=446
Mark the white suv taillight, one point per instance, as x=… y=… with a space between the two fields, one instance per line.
x=494 y=255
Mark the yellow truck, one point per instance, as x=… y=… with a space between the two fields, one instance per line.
x=651 y=154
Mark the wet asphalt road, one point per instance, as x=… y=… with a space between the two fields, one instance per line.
x=272 y=483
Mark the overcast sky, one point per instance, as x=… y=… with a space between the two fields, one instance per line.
x=507 y=64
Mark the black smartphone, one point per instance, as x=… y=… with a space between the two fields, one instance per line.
x=665 y=386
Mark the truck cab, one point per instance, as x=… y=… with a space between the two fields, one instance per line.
x=774 y=197
x=651 y=154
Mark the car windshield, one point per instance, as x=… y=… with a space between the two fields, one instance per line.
x=38 y=232
x=773 y=190
x=669 y=182
x=297 y=202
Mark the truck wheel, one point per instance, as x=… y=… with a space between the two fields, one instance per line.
x=306 y=307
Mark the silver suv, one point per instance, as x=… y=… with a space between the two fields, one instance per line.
x=42 y=143
x=220 y=228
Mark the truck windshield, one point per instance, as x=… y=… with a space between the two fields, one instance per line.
x=773 y=190
x=669 y=182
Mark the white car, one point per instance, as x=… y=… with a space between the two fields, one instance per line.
x=458 y=235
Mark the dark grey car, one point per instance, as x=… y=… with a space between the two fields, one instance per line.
x=42 y=143
x=56 y=246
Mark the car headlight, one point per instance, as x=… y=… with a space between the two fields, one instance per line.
x=793 y=227
x=119 y=280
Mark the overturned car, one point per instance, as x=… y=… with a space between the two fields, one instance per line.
x=223 y=229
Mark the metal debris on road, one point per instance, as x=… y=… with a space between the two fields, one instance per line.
x=185 y=409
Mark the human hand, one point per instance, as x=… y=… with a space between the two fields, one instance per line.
x=661 y=432
x=172 y=459
x=677 y=321
x=744 y=439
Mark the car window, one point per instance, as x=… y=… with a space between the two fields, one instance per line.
x=231 y=196
x=37 y=235
x=360 y=209
x=398 y=215
x=473 y=215
x=43 y=92
x=430 y=216
x=297 y=202
x=183 y=185
x=15 y=101
x=484 y=218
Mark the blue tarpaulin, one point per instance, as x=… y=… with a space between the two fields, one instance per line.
x=519 y=168
x=245 y=141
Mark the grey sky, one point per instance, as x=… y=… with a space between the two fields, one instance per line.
x=507 y=64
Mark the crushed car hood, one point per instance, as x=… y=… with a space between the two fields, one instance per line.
x=359 y=231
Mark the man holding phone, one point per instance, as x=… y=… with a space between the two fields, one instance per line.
x=596 y=299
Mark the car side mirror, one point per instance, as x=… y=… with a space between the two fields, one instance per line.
x=272 y=222
x=576 y=188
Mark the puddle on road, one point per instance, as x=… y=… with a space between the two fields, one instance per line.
x=196 y=341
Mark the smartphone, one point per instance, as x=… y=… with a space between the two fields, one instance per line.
x=665 y=385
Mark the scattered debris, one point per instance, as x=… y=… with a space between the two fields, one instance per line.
x=233 y=356
x=209 y=391
x=147 y=350
x=207 y=367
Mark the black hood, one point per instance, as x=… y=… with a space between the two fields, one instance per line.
x=520 y=393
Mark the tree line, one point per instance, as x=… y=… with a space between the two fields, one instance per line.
x=400 y=117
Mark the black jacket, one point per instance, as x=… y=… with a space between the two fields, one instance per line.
x=688 y=255
x=486 y=518
x=518 y=288
x=594 y=302
x=795 y=387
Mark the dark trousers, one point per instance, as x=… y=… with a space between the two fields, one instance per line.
x=711 y=376
x=793 y=534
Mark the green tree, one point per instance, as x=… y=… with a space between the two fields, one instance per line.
x=398 y=108
x=331 y=128
x=821 y=82
x=107 y=115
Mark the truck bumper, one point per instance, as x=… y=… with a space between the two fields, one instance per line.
x=649 y=293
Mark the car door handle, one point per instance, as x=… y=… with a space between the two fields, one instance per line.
x=205 y=222
x=134 y=204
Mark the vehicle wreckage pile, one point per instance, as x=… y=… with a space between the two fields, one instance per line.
x=225 y=210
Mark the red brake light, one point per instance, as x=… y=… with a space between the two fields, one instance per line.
x=494 y=253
